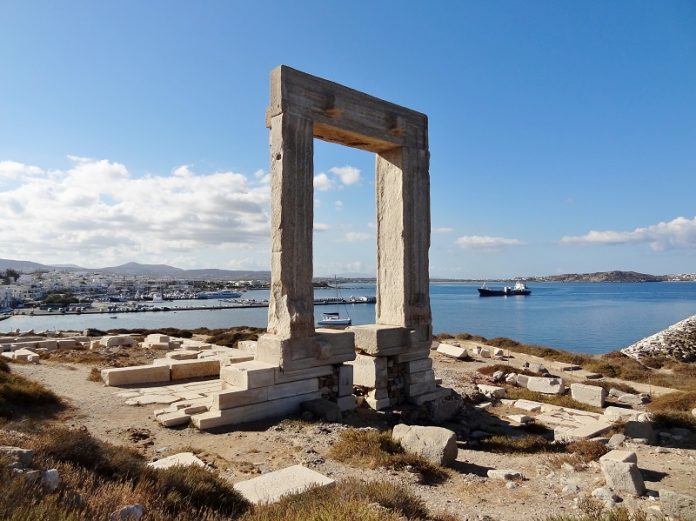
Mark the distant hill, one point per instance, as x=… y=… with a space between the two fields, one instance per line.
x=135 y=268
x=26 y=266
x=601 y=276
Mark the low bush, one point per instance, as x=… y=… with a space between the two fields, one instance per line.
x=374 y=449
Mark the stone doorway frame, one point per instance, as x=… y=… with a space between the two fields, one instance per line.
x=303 y=107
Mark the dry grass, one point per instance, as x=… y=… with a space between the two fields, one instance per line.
x=94 y=375
x=670 y=419
x=347 y=500
x=528 y=444
x=578 y=454
x=600 y=514
x=22 y=397
x=682 y=402
x=607 y=386
x=674 y=410
x=488 y=370
x=520 y=393
x=97 y=478
x=374 y=449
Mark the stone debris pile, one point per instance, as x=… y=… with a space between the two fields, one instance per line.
x=677 y=341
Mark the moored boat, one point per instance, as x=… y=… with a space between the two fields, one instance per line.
x=333 y=319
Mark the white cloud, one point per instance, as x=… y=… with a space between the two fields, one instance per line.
x=338 y=205
x=357 y=236
x=485 y=242
x=321 y=227
x=349 y=175
x=443 y=230
x=96 y=210
x=677 y=233
x=15 y=170
x=323 y=182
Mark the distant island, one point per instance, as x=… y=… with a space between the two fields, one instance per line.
x=599 y=276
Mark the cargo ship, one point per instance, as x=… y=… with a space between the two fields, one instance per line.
x=508 y=291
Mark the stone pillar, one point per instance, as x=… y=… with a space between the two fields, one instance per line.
x=403 y=239
x=291 y=303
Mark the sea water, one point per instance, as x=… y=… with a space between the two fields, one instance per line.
x=581 y=317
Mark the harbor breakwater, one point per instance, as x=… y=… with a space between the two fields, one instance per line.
x=678 y=341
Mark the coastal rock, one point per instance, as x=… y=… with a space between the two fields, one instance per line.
x=678 y=341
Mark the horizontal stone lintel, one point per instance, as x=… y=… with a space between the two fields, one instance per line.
x=343 y=115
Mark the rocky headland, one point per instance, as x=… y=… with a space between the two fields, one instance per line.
x=678 y=341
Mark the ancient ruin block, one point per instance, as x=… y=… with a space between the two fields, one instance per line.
x=621 y=471
x=248 y=375
x=137 y=374
x=588 y=394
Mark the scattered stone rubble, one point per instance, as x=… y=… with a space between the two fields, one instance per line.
x=28 y=348
x=677 y=341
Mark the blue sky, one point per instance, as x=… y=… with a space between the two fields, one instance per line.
x=562 y=135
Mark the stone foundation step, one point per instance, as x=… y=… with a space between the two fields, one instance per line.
x=249 y=375
x=253 y=412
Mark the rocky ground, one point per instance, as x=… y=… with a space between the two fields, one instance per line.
x=550 y=486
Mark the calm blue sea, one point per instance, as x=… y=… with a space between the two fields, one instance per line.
x=582 y=317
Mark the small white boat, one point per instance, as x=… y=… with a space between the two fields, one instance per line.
x=333 y=319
